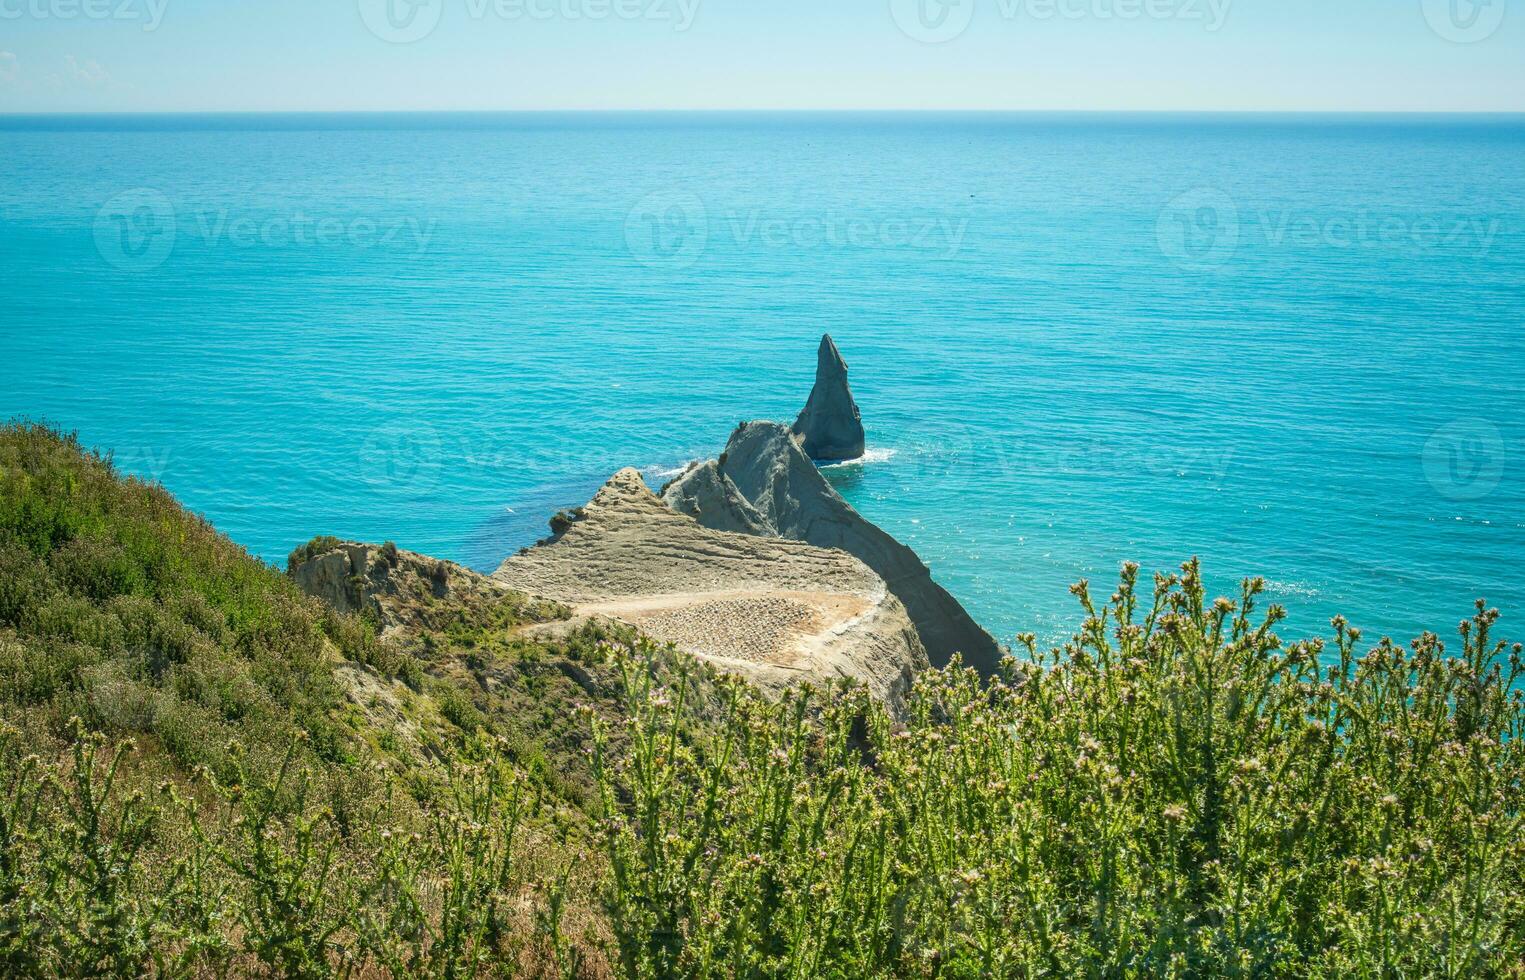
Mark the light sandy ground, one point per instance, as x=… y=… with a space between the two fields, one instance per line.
x=784 y=629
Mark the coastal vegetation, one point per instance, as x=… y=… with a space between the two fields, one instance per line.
x=1173 y=793
x=206 y=772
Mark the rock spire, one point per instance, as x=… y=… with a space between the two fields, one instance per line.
x=830 y=427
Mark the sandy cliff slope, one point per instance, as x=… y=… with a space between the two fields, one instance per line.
x=774 y=610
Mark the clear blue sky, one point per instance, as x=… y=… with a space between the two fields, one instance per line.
x=171 y=55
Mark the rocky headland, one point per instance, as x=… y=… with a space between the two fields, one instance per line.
x=751 y=561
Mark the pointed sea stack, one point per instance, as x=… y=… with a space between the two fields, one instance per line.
x=830 y=427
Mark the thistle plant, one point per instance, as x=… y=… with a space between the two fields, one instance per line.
x=73 y=879
x=1174 y=792
x=21 y=810
x=281 y=856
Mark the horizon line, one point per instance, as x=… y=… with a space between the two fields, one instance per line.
x=26 y=113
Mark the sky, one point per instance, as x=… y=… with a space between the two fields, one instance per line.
x=301 y=55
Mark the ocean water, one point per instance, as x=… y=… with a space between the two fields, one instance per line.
x=1292 y=346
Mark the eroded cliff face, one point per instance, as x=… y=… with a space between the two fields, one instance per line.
x=766 y=464
x=774 y=610
x=830 y=427
x=707 y=495
x=400 y=591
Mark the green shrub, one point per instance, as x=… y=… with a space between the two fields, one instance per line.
x=457 y=708
x=317 y=546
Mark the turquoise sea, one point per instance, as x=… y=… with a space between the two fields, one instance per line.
x=1291 y=345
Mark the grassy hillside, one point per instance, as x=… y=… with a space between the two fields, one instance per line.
x=123 y=610
x=205 y=772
